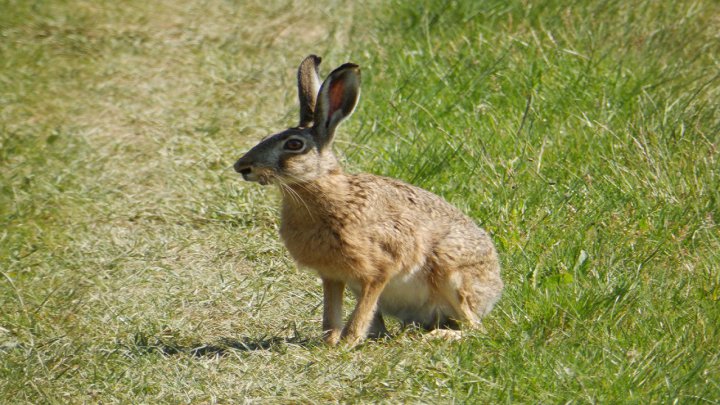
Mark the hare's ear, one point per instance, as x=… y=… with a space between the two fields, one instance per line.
x=337 y=99
x=308 y=88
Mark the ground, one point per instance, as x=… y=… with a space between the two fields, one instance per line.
x=136 y=266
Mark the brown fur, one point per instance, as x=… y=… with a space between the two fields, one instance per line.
x=396 y=246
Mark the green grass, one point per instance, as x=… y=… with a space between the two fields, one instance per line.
x=136 y=267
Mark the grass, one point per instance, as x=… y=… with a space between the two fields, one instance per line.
x=136 y=267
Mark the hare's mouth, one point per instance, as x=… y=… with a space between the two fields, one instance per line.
x=262 y=178
x=246 y=173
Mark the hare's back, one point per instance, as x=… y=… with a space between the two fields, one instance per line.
x=389 y=197
x=444 y=232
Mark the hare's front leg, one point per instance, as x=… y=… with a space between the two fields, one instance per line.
x=332 y=310
x=361 y=318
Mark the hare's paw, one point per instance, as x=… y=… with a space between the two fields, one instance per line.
x=446 y=334
x=332 y=337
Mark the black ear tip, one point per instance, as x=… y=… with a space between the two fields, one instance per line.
x=314 y=58
x=347 y=67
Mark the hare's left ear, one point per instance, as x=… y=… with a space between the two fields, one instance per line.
x=337 y=99
x=308 y=87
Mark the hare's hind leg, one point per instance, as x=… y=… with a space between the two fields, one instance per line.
x=469 y=292
x=377 y=328
x=463 y=313
x=481 y=289
x=472 y=294
x=469 y=274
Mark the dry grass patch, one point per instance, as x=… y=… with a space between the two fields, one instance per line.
x=128 y=236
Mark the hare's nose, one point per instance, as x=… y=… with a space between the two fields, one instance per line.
x=243 y=167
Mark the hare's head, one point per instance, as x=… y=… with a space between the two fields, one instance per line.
x=304 y=153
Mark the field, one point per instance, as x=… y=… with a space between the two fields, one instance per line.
x=137 y=267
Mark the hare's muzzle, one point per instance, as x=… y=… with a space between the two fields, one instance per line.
x=244 y=168
x=252 y=173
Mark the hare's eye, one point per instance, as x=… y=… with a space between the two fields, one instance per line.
x=293 y=144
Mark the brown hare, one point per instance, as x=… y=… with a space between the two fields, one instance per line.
x=403 y=251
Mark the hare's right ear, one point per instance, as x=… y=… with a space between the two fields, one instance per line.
x=337 y=100
x=308 y=88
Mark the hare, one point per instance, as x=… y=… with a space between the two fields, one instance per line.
x=401 y=250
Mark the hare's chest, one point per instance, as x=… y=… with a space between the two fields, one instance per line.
x=312 y=242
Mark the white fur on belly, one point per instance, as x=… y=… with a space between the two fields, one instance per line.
x=408 y=298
